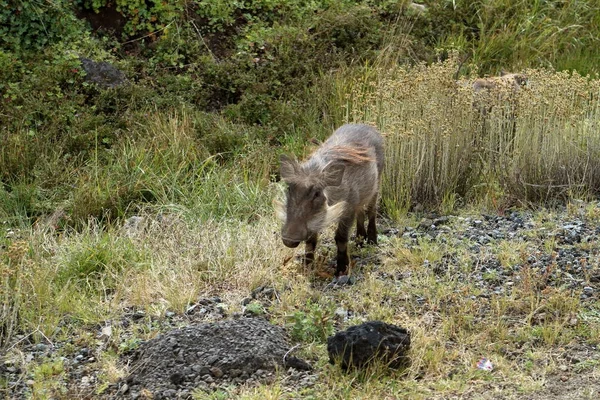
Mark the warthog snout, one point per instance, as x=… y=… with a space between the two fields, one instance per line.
x=292 y=244
x=292 y=235
x=338 y=183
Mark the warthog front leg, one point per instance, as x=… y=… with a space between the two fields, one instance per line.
x=361 y=233
x=372 y=228
x=311 y=245
x=341 y=241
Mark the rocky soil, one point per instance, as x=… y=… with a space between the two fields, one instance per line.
x=237 y=351
x=570 y=262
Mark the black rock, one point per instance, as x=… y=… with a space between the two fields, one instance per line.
x=102 y=73
x=359 y=345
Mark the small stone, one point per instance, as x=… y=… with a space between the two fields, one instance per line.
x=341 y=312
x=212 y=359
x=190 y=309
x=564 y=378
x=343 y=280
x=138 y=315
x=588 y=290
x=124 y=388
x=176 y=378
x=563 y=368
x=169 y=314
x=30 y=382
x=201 y=369
x=425 y=223
x=208 y=379
x=216 y=372
x=222 y=308
x=441 y=220
x=246 y=301
x=41 y=347
x=106 y=332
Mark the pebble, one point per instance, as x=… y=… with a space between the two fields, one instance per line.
x=41 y=347
x=246 y=301
x=216 y=372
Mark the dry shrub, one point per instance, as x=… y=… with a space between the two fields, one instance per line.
x=445 y=141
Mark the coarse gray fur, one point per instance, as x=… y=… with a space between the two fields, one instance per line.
x=339 y=182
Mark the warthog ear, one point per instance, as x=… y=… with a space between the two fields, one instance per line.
x=288 y=167
x=333 y=174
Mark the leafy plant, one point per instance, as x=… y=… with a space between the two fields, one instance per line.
x=31 y=25
x=314 y=324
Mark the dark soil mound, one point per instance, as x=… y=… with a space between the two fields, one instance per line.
x=199 y=356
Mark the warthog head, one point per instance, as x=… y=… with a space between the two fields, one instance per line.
x=306 y=211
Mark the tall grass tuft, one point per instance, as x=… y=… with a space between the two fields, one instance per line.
x=445 y=142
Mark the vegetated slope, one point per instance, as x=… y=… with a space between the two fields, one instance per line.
x=242 y=76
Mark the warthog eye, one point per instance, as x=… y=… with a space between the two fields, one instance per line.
x=317 y=194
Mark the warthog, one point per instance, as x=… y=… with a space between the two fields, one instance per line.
x=511 y=81
x=339 y=182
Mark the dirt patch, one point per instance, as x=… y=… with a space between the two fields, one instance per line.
x=107 y=20
x=203 y=356
x=569 y=387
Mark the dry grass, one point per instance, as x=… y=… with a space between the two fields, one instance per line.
x=446 y=142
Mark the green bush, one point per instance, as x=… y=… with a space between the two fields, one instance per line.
x=34 y=24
